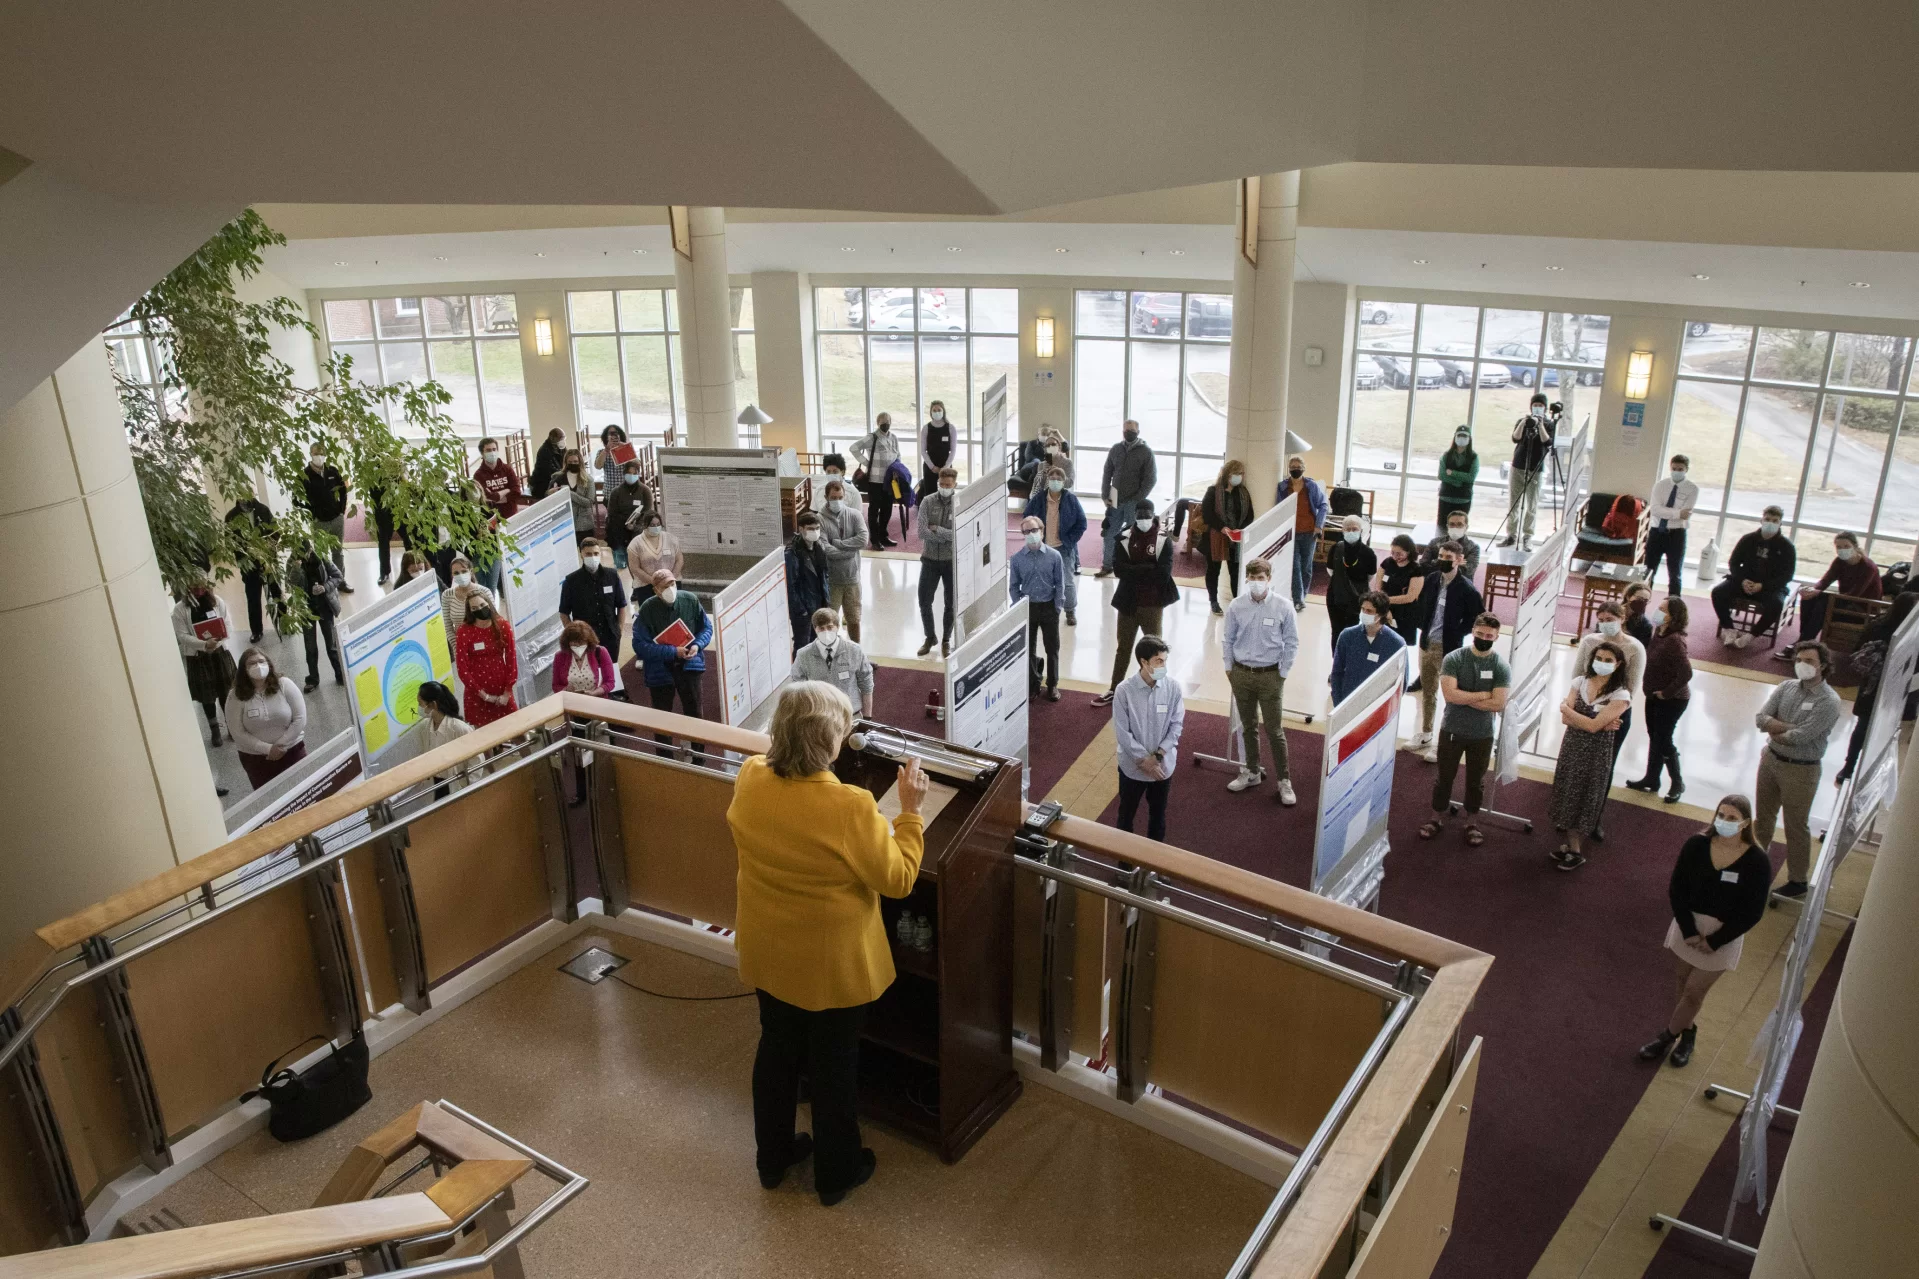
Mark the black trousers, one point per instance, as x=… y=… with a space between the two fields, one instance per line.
x=1131 y=791
x=1662 y=718
x=1619 y=740
x=686 y=684
x=383 y=538
x=312 y=637
x=1812 y=616
x=932 y=574
x=1769 y=603
x=1447 y=506
x=1232 y=572
x=879 y=510
x=1341 y=616
x=1478 y=755
x=1668 y=544
x=825 y=1047
x=1042 y=627
x=256 y=583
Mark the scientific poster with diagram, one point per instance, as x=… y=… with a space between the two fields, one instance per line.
x=992 y=416
x=722 y=501
x=1530 y=662
x=391 y=648
x=1356 y=788
x=530 y=582
x=753 y=639
x=979 y=550
x=987 y=683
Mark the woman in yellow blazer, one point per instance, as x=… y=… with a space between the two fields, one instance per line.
x=816 y=856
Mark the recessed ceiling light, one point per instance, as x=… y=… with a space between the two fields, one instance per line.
x=1178 y=253
x=1062 y=250
x=847 y=248
x=439 y=257
x=1860 y=284
x=641 y=252
x=1700 y=275
x=1555 y=268
x=953 y=248
x=339 y=262
x=539 y=255
x=1419 y=261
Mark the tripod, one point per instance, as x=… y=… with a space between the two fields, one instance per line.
x=1509 y=529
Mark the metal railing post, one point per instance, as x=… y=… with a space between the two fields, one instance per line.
x=556 y=836
x=29 y=1089
x=609 y=841
x=1059 y=953
x=1133 y=1036
x=395 y=878
x=130 y=1055
x=332 y=954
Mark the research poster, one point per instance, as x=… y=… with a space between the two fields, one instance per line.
x=1356 y=788
x=979 y=550
x=722 y=501
x=987 y=679
x=992 y=416
x=391 y=648
x=1541 y=580
x=1270 y=537
x=753 y=639
x=547 y=554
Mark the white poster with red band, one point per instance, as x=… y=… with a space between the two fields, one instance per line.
x=1530 y=658
x=1270 y=537
x=1356 y=788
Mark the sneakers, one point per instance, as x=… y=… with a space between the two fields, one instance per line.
x=1217 y=610
x=1286 y=796
x=1104 y=699
x=1740 y=639
x=1247 y=779
x=1781 y=655
x=1725 y=636
x=1423 y=740
x=862 y=1174
x=1431 y=754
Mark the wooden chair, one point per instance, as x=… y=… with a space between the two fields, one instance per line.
x=1745 y=617
x=1847 y=617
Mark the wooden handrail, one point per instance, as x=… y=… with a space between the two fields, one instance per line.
x=239 y=1245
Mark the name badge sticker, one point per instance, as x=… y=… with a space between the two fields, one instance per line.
x=1729 y=876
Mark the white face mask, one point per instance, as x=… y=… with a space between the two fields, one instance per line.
x=811 y=535
x=592 y=563
x=1455 y=533
x=1144 y=526
x=1369 y=620
x=1461 y=441
x=579 y=650
x=258 y=670
x=1725 y=829
x=1352 y=535
x=946 y=490
x=1156 y=672
x=1258 y=586
x=1655 y=617
x=1033 y=539
x=1846 y=553
x=669 y=593
x=1677 y=475
x=1054 y=486
x=1609 y=628
x=1235 y=480
x=319 y=461
x=1603 y=669
x=939 y=416
x=829 y=638
x=653 y=531
x=631 y=477
x=461 y=579
x=490 y=456
x=1806 y=670
x=1769 y=527
x=833 y=505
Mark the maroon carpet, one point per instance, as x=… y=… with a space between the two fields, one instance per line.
x=1580 y=972
x=1057 y=732
x=1683 y=1256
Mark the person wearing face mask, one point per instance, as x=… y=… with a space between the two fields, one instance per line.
x=1035 y=573
x=498 y=483
x=323 y=492
x=654 y=549
x=488 y=663
x=843 y=534
x=319 y=583
x=1350 y=565
x=607 y=462
x=1258 y=641
x=833 y=467
x=876 y=455
x=547 y=463
x=1225 y=508
x=1458 y=472
x=1868 y=661
x=1532 y=437
x=582 y=664
x=1850 y=574
x=412 y=565
x=1638 y=599
x=1475 y=682
x=593 y=593
x=201 y=626
x=1130 y=474
x=457 y=598
x=1149 y=714
x=936 y=446
x=670 y=639
x=834 y=659
x=1582 y=777
x=628 y=504
x=1454 y=531
x=1360 y=648
x=936 y=559
x=1758 y=573
x=1308 y=519
x=1797 y=719
x=1402 y=579
x=1448 y=603
x=1610 y=628
x=1669 y=512
x=1144 y=562
x=807 y=590
x=268 y=719
x=1667 y=681
x=1717 y=893
x=1063 y=522
x=580 y=486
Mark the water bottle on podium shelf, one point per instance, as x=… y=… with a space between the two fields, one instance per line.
x=1709 y=562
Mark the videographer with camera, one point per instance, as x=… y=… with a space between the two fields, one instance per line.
x=1532 y=440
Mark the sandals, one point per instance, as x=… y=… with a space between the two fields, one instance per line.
x=1431 y=829
x=1474 y=836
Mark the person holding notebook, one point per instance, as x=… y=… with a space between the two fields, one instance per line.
x=670 y=638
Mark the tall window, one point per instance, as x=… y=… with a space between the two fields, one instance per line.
x=1422 y=370
x=1159 y=358
x=626 y=360
x=897 y=350
x=468 y=344
x=1811 y=421
x=137 y=359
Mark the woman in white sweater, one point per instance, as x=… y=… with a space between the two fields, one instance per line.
x=267 y=717
x=440 y=723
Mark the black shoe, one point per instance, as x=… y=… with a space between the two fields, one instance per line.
x=254 y=638
x=1658 y=1046
x=1672 y=796
x=1413 y=687
x=345 y=589
x=1217 y=610
x=925 y=648
x=383 y=579
x=221 y=792
x=1071 y=620
x=1105 y=572
x=1051 y=694
x=339 y=677
x=1791 y=888
x=1682 y=1051
x=796 y=1154
x=1508 y=540
x=861 y=1175
x=313 y=682
x=1647 y=784
x=216 y=735
x=1598 y=836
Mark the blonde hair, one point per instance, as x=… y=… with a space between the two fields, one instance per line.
x=810 y=722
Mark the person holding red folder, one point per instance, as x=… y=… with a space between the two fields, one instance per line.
x=670 y=638
x=200 y=626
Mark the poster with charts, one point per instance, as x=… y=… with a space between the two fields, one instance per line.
x=753 y=639
x=987 y=681
x=979 y=549
x=391 y=648
x=992 y=416
x=546 y=554
x=722 y=501
x=1356 y=788
x=1530 y=660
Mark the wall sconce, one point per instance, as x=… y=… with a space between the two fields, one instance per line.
x=1638 y=375
x=543 y=336
x=1043 y=337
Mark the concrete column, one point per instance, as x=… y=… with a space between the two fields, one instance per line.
x=103 y=775
x=1262 y=340
x=1048 y=400
x=1625 y=459
x=783 y=346
x=550 y=401
x=706 y=333
x=1844 y=1207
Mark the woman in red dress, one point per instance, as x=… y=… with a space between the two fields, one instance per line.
x=484 y=655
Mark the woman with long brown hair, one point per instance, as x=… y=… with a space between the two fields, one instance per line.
x=1225 y=509
x=1668 y=685
x=1583 y=776
x=267 y=716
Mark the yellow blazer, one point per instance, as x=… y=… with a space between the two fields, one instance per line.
x=815 y=859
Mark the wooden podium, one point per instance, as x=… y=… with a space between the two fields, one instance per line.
x=936 y=1059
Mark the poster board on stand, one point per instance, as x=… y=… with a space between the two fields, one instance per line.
x=391 y=647
x=1269 y=537
x=753 y=639
x=530 y=581
x=1351 y=839
x=1530 y=659
x=992 y=417
x=1878 y=766
x=979 y=551
x=988 y=677
x=722 y=501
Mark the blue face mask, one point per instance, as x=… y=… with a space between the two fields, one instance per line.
x=1725 y=829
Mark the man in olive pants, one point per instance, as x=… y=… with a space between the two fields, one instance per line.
x=1798 y=718
x=1259 y=640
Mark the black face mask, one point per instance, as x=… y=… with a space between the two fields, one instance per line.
x=1295 y=472
x=1482 y=645
x=1448 y=567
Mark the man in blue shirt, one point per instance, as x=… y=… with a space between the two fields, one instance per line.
x=1360 y=650
x=1063 y=520
x=1148 y=714
x=1258 y=640
x=1037 y=574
